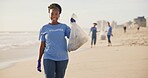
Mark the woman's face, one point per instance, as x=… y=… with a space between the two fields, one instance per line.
x=108 y=23
x=54 y=15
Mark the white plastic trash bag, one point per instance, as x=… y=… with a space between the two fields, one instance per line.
x=77 y=36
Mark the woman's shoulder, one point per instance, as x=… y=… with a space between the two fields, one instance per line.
x=44 y=27
x=64 y=25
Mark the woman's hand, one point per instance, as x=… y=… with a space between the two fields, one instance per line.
x=39 y=66
x=72 y=20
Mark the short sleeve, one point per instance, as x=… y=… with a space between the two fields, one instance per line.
x=67 y=31
x=42 y=34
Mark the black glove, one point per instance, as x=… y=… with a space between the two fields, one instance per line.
x=39 y=66
x=72 y=20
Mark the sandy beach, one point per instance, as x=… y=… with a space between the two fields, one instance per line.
x=126 y=58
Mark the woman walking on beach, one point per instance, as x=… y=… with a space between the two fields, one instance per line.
x=93 y=30
x=54 y=45
x=109 y=34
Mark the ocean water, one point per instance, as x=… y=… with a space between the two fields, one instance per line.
x=11 y=43
x=9 y=40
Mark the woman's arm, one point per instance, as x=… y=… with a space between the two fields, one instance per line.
x=111 y=32
x=42 y=46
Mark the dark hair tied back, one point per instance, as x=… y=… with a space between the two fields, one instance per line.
x=55 y=5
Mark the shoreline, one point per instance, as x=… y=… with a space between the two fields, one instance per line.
x=5 y=65
x=15 y=55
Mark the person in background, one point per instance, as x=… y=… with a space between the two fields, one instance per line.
x=124 y=29
x=53 y=45
x=93 y=30
x=138 y=27
x=109 y=34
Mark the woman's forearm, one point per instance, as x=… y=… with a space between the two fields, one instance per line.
x=42 y=46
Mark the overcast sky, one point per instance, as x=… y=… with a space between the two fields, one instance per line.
x=31 y=15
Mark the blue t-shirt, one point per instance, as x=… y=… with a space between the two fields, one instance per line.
x=55 y=41
x=109 y=30
x=94 y=31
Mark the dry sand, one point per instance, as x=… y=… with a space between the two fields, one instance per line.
x=127 y=58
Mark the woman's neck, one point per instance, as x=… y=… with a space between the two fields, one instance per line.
x=54 y=23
